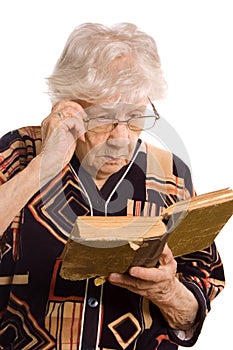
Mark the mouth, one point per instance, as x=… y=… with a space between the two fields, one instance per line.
x=114 y=158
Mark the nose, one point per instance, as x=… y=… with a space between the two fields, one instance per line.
x=121 y=129
x=119 y=136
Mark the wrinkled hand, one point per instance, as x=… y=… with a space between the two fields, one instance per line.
x=160 y=285
x=156 y=284
x=60 y=131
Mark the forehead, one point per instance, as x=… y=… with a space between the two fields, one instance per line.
x=113 y=101
x=116 y=106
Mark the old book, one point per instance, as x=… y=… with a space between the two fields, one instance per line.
x=100 y=245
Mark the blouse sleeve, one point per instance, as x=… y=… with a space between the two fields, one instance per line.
x=202 y=273
x=17 y=149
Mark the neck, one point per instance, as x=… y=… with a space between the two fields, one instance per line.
x=99 y=182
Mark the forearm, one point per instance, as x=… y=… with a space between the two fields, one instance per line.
x=17 y=191
x=178 y=307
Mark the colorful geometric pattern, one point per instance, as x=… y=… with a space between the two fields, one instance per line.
x=56 y=206
x=39 y=309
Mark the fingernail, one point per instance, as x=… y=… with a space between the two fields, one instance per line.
x=114 y=276
x=133 y=271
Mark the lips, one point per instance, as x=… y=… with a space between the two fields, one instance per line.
x=113 y=159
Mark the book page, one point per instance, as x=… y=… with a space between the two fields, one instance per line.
x=117 y=227
x=202 y=200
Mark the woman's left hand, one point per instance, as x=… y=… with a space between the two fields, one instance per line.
x=161 y=286
x=153 y=283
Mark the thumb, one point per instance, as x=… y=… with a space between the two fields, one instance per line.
x=166 y=256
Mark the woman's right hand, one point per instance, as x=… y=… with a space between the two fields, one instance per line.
x=60 y=131
x=59 y=135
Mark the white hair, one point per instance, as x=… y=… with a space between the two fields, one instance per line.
x=100 y=62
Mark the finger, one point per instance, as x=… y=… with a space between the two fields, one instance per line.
x=61 y=104
x=118 y=278
x=71 y=118
x=76 y=126
x=166 y=256
x=144 y=273
x=125 y=281
x=162 y=273
x=68 y=108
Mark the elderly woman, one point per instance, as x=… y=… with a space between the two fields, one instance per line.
x=87 y=158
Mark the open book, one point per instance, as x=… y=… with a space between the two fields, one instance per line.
x=100 y=245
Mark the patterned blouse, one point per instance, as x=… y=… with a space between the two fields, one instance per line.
x=41 y=310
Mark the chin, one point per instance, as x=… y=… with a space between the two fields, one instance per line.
x=112 y=167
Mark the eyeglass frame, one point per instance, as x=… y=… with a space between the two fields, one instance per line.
x=117 y=121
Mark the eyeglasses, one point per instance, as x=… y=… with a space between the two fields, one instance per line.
x=137 y=121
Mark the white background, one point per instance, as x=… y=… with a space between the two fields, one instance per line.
x=194 y=39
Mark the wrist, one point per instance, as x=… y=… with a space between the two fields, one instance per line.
x=178 y=306
x=43 y=172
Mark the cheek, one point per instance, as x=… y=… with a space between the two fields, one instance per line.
x=94 y=140
x=93 y=143
x=133 y=136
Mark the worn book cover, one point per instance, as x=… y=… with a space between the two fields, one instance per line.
x=100 y=245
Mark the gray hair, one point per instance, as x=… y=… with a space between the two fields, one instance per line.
x=100 y=62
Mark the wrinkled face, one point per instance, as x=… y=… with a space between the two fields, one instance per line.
x=109 y=146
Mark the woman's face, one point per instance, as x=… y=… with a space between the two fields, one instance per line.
x=106 y=151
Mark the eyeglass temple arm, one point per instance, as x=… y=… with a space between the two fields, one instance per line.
x=154 y=109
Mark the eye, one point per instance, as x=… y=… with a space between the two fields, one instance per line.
x=135 y=115
x=104 y=119
x=102 y=114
